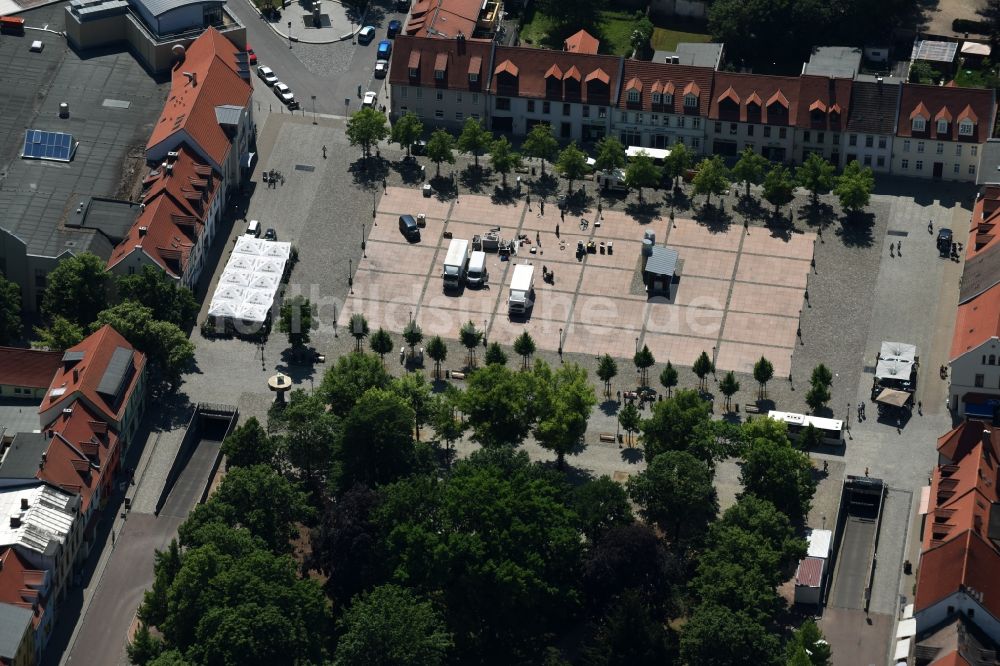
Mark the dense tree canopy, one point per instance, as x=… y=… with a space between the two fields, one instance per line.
x=777 y=472
x=499 y=405
x=676 y=493
x=172 y=301
x=167 y=348
x=348 y=380
x=680 y=423
x=76 y=289
x=10 y=311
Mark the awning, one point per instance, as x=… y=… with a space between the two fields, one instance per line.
x=902 y=649
x=979 y=405
x=906 y=628
x=893 y=397
x=925 y=500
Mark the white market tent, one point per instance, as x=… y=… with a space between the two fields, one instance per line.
x=250 y=280
x=657 y=154
x=896 y=360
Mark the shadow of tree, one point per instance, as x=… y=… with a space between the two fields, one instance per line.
x=504 y=195
x=779 y=226
x=678 y=199
x=369 y=171
x=444 y=188
x=474 y=178
x=750 y=208
x=819 y=215
x=545 y=185
x=409 y=170
x=644 y=213
x=609 y=407
x=856 y=229
x=632 y=454
x=715 y=218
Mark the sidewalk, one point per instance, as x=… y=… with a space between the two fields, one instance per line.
x=296 y=22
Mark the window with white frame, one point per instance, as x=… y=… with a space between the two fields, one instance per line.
x=657 y=98
x=690 y=101
x=767 y=131
x=974 y=150
x=439 y=74
x=695 y=142
x=881 y=161
x=633 y=95
x=942 y=126
x=852 y=140
x=920 y=146
x=531 y=106
x=940 y=149
x=458 y=115
x=668 y=99
x=473 y=77
x=602 y=112
x=919 y=124
x=654 y=119
x=438 y=113
x=440 y=96
x=958 y=150
x=965 y=128
x=881 y=142
x=972 y=169
x=955 y=168
x=906 y=146
x=640 y=118
x=695 y=123
x=412 y=71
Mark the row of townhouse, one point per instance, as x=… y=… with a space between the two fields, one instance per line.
x=899 y=128
x=199 y=154
x=55 y=479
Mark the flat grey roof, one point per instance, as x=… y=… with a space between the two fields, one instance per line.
x=934 y=51
x=161 y=7
x=111 y=217
x=22 y=458
x=37 y=195
x=989 y=163
x=18 y=415
x=693 y=53
x=663 y=261
x=13 y=622
x=839 y=61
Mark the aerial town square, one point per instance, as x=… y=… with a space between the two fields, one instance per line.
x=426 y=332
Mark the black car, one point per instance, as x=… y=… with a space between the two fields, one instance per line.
x=271 y=235
x=944 y=241
x=408 y=227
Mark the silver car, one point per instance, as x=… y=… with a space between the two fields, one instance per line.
x=266 y=75
x=284 y=93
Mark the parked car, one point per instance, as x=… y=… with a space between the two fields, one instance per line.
x=944 y=242
x=419 y=147
x=270 y=234
x=381 y=69
x=408 y=227
x=251 y=55
x=384 y=49
x=366 y=34
x=253 y=229
x=266 y=75
x=284 y=93
x=369 y=100
x=395 y=27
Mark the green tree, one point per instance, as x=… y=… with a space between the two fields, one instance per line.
x=358 y=328
x=923 y=72
x=668 y=377
x=778 y=473
x=10 y=312
x=808 y=640
x=474 y=139
x=541 y=144
x=381 y=343
x=499 y=404
x=503 y=158
x=413 y=335
x=702 y=367
x=763 y=372
x=248 y=445
x=569 y=17
x=346 y=381
x=438 y=351
x=643 y=360
x=441 y=148
x=308 y=434
x=295 y=320
x=76 y=289
x=495 y=355
x=155 y=605
x=712 y=178
x=377 y=442
x=444 y=417
x=414 y=389
x=815 y=175
x=717 y=636
x=750 y=168
x=854 y=187
x=60 y=335
x=681 y=423
x=607 y=369
x=173 y=657
x=366 y=128
x=470 y=337
x=144 y=648
x=631 y=635
x=642 y=172
x=779 y=188
x=167 y=348
x=630 y=421
x=821 y=376
x=762 y=519
x=676 y=493
x=390 y=626
x=601 y=504
x=678 y=162
x=817 y=396
x=729 y=386
x=610 y=154
x=572 y=164
x=565 y=399
x=810 y=438
x=407 y=130
x=344 y=546
x=524 y=346
x=151 y=287
x=641 y=34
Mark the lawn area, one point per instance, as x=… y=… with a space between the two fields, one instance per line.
x=614 y=29
x=975 y=78
x=665 y=39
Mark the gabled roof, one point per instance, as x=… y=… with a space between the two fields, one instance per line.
x=873 y=107
x=459 y=58
x=581 y=42
x=164 y=233
x=962 y=440
x=204 y=80
x=670 y=78
x=929 y=101
x=830 y=96
x=31 y=368
x=530 y=66
x=966 y=563
x=780 y=90
x=21 y=585
x=87 y=377
x=961 y=494
x=444 y=20
x=977 y=320
x=82 y=450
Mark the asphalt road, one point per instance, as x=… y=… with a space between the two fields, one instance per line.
x=848 y=589
x=331 y=72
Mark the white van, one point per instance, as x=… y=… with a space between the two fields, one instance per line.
x=522 y=289
x=477 y=275
x=455 y=263
x=253 y=229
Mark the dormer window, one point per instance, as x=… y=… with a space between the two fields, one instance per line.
x=690 y=101
x=633 y=96
x=657 y=98
x=668 y=99
x=474 y=77
x=942 y=127
x=412 y=71
x=965 y=128
x=919 y=124
x=439 y=74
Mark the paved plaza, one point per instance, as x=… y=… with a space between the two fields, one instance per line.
x=739 y=295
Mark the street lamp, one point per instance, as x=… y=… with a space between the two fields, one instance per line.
x=560 y=344
x=314 y=108
x=289 y=34
x=363 y=241
x=637 y=344
x=713 y=364
x=484 y=335
x=374 y=201
x=350 y=275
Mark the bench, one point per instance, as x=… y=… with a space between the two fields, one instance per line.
x=750 y=408
x=608 y=437
x=457 y=375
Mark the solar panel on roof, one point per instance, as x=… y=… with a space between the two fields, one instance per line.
x=42 y=145
x=117 y=372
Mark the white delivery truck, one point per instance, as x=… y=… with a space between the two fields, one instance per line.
x=477 y=276
x=522 y=289
x=455 y=263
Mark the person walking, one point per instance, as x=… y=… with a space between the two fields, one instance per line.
x=528 y=199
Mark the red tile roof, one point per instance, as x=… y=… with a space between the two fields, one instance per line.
x=672 y=80
x=176 y=204
x=931 y=102
x=190 y=108
x=32 y=368
x=82 y=378
x=521 y=72
x=810 y=572
x=83 y=453
x=962 y=440
x=983 y=231
x=443 y=19
x=961 y=494
x=20 y=583
x=459 y=58
x=965 y=563
x=581 y=42
x=977 y=321
x=780 y=95
x=824 y=103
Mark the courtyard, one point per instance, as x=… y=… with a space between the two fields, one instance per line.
x=738 y=296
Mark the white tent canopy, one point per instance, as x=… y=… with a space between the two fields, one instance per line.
x=250 y=280
x=896 y=360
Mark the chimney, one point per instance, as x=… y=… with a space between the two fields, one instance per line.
x=15 y=522
x=24 y=504
x=76 y=375
x=143 y=230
